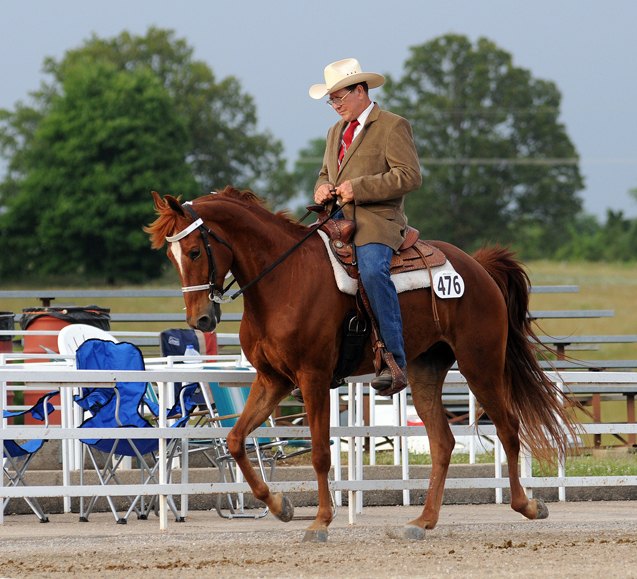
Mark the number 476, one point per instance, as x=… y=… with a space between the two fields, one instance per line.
x=449 y=285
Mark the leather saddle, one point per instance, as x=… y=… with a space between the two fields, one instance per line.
x=412 y=255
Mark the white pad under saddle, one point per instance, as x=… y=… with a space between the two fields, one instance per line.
x=408 y=280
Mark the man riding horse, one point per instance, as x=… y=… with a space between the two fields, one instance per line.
x=370 y=164
x=287 y=329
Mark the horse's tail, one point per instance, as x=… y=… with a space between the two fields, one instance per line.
x=536 y=401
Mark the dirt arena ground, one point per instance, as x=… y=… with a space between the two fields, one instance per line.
x=591 y=539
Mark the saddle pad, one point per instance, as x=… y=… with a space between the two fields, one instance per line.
x=405 y=281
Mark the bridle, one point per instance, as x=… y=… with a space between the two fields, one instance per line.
x=215 y=294
x=218 y=295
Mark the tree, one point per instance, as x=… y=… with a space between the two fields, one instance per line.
x=107 y=138
x=497 y=162
x=221 y=120
x=307 y=167
x=615 y=240
x=114 y=119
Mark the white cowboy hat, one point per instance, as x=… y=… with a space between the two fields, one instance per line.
x=344 y=73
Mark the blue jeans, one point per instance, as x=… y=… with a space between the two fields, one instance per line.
x=373 y=266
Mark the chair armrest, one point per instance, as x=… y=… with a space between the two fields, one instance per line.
x=220 y=418
x=117 y=402
x=288 y=417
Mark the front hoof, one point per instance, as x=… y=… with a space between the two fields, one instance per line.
x=413 y=533
x=318 y=536
x=287 y=510
x=542 y=510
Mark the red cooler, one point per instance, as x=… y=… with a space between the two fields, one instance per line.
x=7 y=321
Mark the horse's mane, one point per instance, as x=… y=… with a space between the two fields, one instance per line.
x=165 y=224
x=241 y=195
x=250 y=197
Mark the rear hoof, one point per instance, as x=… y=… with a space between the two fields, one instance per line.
x=413 y=533
x=542 y=510
x=287 y=510
x=319 y=536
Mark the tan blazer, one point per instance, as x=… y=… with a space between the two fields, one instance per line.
x=383 y=166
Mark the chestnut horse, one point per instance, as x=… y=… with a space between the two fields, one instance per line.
x=290 y=332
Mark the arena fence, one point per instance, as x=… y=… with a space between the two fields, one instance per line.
x=60 y=375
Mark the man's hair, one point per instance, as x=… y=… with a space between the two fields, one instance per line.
x=363 y=84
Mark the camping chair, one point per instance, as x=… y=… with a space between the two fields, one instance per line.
x=189 y=397
x=18 y=455
x=122 y=406
x=71 y=337
x=228 y=403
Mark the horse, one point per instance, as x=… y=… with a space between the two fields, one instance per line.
x=290 y=333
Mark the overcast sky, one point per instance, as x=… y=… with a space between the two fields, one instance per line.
x=278 y=48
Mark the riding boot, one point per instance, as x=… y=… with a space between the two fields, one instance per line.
x=388 y=383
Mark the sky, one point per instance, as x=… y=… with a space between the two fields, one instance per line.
x=278 y=48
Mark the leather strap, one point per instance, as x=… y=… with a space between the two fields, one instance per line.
x=434 y=305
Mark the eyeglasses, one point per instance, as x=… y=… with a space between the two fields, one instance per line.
x=338 y=101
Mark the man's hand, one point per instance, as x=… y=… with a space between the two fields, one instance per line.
x=345 y=192
x=324 y=194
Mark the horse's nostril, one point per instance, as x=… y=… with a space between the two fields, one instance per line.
x=206 y=324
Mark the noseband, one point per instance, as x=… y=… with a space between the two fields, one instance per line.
x=215 y=295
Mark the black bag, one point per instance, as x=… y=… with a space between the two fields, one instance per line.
x=355 y=337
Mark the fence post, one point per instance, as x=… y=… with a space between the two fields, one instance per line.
x=360 y=446
x=335 y=420
x=351 y=475
x=163 y=458
x=561 y=458
x=404 y=446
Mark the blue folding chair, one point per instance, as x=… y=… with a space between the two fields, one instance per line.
x=122 y=406
x=18 y=455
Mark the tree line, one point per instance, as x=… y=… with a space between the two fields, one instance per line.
x=118 y=117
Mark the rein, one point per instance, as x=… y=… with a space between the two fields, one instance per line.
x=217 y=295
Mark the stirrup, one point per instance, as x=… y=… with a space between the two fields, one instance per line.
x=398 y=383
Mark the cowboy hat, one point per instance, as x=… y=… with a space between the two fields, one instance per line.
x=344 y=73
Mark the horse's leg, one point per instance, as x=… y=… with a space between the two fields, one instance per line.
x=490 y=392
x=264 y=396
x=426 y=376
x=317 y=404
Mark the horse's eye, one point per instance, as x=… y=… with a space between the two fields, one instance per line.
x=194 y=254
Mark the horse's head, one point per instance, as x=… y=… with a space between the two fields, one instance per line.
x=201 y=258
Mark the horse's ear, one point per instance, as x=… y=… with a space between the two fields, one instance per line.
x=167 y=201
x=174 y=204
x=157 y=200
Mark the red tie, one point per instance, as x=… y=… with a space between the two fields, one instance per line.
x=346 y=141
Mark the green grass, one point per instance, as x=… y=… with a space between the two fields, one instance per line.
x=386 y=457
x=590 y=464
x=583 y=464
